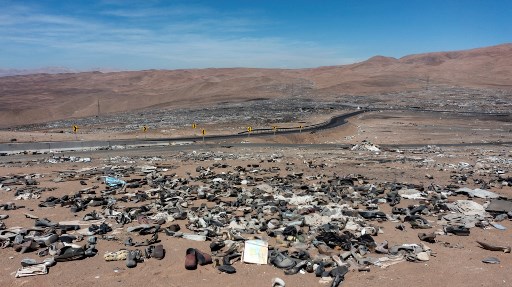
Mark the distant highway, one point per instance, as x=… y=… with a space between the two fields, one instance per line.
x=148 y=144
x=8 y=148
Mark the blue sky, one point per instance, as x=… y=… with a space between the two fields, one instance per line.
x=158 y=34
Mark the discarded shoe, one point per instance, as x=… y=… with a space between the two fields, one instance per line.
x=116 y=256
x=324 y=249
x=194 y=237
x=44 y=222
x=457 y=230
x=38 y=269
x=92 y=216
x=491 y=260
x=29 y=262
x=128 y=242
x=319 y=270
x=400 y=227
x=295 y=269
x=229 y=259
x=26 y=246
x=227 y=269
x=338 y=274
x=101 y=229
x=149 y=230
x=339 y=271
x=92 y=239
x=281 y=261
x=410 y=248
x=31 y=216
x=158 y=252
x=431 y=237
x=418 y=222
x=46 y=240
x=217 y=245
x=68 y=227
x=493 y=247
x=370 y=214
x=174 y=227
x=399 y=210
x=132 y=258
x=382 y=248
x=336 y=260
x=67 y=238
x=153 y=240
x=68 y=253
x=203 y=258
x=190 y=259
x=91 y=251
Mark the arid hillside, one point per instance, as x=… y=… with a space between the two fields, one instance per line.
x=489 y=67
x=44 y=97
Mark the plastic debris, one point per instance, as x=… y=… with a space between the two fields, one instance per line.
x=114 y=182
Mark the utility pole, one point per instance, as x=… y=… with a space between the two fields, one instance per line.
x=98 y=106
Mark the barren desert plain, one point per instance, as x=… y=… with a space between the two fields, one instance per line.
x=400 y=194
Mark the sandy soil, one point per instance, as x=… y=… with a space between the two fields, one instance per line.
x=459 y=266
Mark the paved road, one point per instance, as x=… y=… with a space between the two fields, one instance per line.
x=148 y=144
x=7 y=148
x=210 y=146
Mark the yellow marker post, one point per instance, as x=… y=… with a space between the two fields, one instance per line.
x=144 y=129
x=194 y=126
x=275 y=129
x=75 y=130
x=249 y=130
x=203 y=131
x=300 y=128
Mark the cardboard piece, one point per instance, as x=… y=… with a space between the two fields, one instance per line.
x=255 y=251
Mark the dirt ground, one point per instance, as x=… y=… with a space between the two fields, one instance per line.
x=455 y=264
x=384 y=127
x=87 y=133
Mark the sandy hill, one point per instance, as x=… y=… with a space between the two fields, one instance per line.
x=489 y=67
x=44 y=97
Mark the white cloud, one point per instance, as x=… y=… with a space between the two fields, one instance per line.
x=158 y=12
x=211 y=40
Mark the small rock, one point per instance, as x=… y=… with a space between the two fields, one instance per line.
x=423 y=256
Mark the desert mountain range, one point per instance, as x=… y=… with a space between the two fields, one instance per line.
x=45 y=97
x=45 y=70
